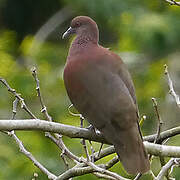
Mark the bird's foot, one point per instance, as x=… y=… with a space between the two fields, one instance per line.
x=93 y=129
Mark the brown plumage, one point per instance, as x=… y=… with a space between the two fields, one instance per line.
x=100 y=87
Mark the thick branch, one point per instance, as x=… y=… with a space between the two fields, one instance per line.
x=75 y=132
x=162 y=150
x=71 y=131
x=41 y=125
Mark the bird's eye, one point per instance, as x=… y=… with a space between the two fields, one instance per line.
x=78 y=24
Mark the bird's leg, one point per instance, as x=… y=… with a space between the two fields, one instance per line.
x=81 y=121
x=100 y=149
x=83 y=142
x=93 y=129
x=96 y=131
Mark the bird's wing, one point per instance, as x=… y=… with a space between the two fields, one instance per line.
x=125 y=76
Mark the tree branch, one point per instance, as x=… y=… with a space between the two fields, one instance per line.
x=31 y=157
x=76 y=171
x=75 y=132
x=72 y=131
x=171 y=87
x=172 y=162
x=173 y=2
x=42 y=125
x=18 y=96
x=163 y=135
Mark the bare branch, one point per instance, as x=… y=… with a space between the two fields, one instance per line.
x=159 y=127
x=171 y=88
x=167 y=167
x=162 y=150
x=138 y=176
x=19 y=142
x=31 y=157
x=21 y=100
x=44 y=109
x=159 y=120
x=103 y=176
x=61 y=145
x=42 y=125
x=173 y=2
x=75 y=171
x=71 y=131
x=14 y=111
x=112 y=162
x=163 y=135
x=58 y=138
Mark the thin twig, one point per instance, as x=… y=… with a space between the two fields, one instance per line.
x=64 y=159
x=103 y=176
x=167 y=167
x=171 y=87
x=31 y=157
x=112 y=162
x=160 y=122
x=58 y=137
x=44 y=109
x=99 y=152
x=92 y=152
x=138 y=176
x=66 y=150
x=18 y=96
x=103 y=170
x=152 y=174
x=75 y=171
x=159 y=126
x=14 y=111
x=23 y=149
x=173 y=2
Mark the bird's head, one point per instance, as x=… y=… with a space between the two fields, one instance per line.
x=83 y=27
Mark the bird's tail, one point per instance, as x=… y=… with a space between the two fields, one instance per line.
x=131 y=152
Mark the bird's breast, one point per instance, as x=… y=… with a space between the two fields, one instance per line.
x=98 y=93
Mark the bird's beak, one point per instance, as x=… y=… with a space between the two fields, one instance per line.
x=68 y=32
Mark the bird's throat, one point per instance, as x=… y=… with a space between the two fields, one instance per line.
x=81 y=44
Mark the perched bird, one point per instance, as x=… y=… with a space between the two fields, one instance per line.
x=101 y=89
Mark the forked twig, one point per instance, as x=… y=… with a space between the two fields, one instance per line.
x=18 y=96
x=170 y=164
x=14 y=136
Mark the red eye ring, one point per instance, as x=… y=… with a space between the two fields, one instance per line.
x=78 y=24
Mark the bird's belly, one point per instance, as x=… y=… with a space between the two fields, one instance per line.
x=100 y=97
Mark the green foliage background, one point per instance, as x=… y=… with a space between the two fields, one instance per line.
x=144 y=33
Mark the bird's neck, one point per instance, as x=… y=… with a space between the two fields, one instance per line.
x=81 y=43
x=85 y=38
